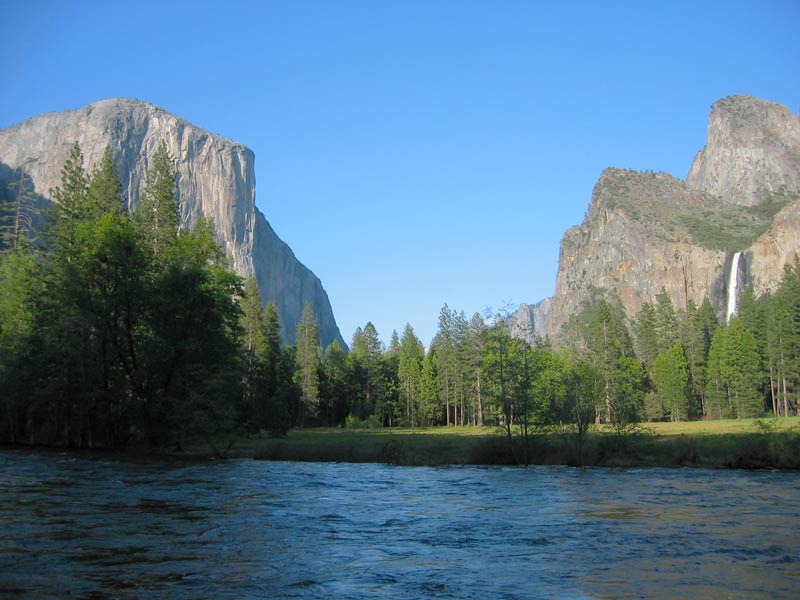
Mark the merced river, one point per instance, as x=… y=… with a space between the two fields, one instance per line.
x=76 y=525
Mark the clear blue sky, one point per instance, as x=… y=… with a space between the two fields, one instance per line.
x=414 y=153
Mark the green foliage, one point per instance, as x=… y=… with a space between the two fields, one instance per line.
x=132 y=332
x=409 y=372
x=371 y=422
x=610 y=351
x=365 y=356
x=111 y=347
x=104 y=192
x=277 y=393
x=157 y=213
x=671 y=380
x=335 y=385
x=18 y=212
x=734 y=373
x=71 y=206
x=729 y=227
x=307 y=355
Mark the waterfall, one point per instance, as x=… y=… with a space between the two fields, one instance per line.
x=732 y=287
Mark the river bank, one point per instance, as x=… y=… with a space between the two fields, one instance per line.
x=731 y=444
x=748 y=444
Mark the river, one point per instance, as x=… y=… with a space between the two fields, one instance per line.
x=95 y=526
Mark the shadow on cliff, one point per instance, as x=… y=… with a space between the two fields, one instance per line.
x=17 y=195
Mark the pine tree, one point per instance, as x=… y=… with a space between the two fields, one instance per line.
x=157 y=213
x=104 y=192
x=500 y=375
x=277 y=393
x=784 y=339
x=307 y=356
x=697 y=327
x=609 y=350
x=671 y=379
x=445 y=358
x=17 y=213
x=255 y=343
x=647 y=341
x=71 y=201
x=666 y=321
x=335 y=388
x=734 y=373
x=476 y=345
x=409 y=372
x=365 y=356
x=428 y=392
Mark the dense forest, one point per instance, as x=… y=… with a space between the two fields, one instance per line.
x=126 y=329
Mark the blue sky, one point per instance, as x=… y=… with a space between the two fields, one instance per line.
x=416 y=153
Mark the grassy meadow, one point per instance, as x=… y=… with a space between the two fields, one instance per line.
x=744 y=443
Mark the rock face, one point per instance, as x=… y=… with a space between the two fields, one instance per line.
x=645 y=232
x=215 y=179
x=779 y=245
x=752 y=153
x=528 y=322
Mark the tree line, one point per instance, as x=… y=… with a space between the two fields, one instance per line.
x=124 y=328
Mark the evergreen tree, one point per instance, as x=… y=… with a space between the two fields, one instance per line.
x=71 y=201
x=255 y=344
x=157 y=213
x=104 y=192
x=734 y=373
x=499 y=372
x=17 y=289
x=409 y=372
x=307 y=356
x=476 y=344
x=647 y=341
x=462 y=367
x=277 y=394
x=666 y=321
x=428 y=392
x=611 y=354
x=17 y=213
x=783 y=341
x=389 y=405
x=335 y=385
x=365 y=356
x=119 y=351
x=671 y=379
x=445 y=356
x=697 y=327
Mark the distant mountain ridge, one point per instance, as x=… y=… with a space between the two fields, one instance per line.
x=646 y=231
x=215 y=179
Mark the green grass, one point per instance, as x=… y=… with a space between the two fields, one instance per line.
x=726 y=426
x=418 y=446
x=746 y=443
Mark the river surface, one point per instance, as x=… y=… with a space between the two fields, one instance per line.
x=88 y=526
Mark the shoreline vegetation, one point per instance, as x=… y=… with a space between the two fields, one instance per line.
x=769 y=443
x=766 y=443
x=123 y=328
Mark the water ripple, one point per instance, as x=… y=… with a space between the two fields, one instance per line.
x=90 y=527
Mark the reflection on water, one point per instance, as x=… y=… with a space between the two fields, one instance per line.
x=84 y=526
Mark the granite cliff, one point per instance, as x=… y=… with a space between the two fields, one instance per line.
x=529 y=320
x=215 y=179
x=645 y=232
x=752 y=154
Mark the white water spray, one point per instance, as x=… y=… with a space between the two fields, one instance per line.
x=732 y=285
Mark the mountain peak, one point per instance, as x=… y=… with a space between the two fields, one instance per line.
x=215 y=180
x=752 y=152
